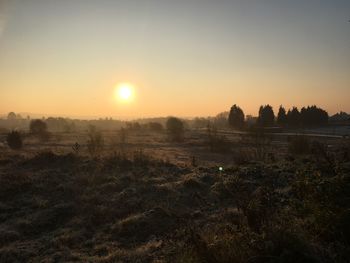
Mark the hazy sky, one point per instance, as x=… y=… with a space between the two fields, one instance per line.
x=185 y=57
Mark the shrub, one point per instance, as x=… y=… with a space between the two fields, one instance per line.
x=260 y=143
x=39 y=128
x=243 y=156
x=175 y=129
x=76 y=148
x=140 y=158
x=14 y=140
x=217 y=143
x=95 y=142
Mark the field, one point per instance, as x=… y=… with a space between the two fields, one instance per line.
x=145 y=198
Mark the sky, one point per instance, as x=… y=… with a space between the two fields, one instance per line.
x=184 y=58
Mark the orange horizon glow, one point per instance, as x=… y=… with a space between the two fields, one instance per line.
x=69 y=61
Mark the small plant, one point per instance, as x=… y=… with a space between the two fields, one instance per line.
x=95 y=142
x=242 y=156
x=76 y=148
x=14 y=140
x=194 y=161
x=260 y=143
x=140 y=158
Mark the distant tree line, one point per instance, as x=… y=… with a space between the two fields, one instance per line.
x=306 y=117
x=309 y=116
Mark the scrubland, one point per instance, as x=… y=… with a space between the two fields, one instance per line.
x=147 y=199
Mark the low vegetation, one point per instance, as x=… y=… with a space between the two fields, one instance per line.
x=95 y=142
x=136 y=208
x=14 y=140
x=39 y=129
x=222 y=196
x=176 y=129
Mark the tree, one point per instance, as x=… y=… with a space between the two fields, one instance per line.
x=266 y=116
x=236 y=117
x=11 y=116
x=175 y=129
x=38 y=127
x=313 y=116
x=14 y=140
x=221 y=119
x=281 y=116
x=293 y=117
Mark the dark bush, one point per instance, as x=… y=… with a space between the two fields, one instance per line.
x=37 y=126
x=39 y=129
x=14 y=140
x=175 y=129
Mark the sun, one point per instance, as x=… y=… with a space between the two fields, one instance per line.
x=124 y=92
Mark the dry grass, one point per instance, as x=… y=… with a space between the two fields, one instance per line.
x=135 y=207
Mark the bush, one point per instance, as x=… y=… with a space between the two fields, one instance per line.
x=95 y=142
x=39 y=128
x=14 y=140
x=260 y=143
x=218 y=143
x=175 y=129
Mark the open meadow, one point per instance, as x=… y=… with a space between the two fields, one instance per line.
x=143 y=198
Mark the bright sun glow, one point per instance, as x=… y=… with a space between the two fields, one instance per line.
x=124 y=92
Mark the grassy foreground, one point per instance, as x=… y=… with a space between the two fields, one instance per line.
x=66 y=208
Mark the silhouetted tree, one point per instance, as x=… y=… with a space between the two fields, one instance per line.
x=236 y=117
x=11 y=116
x=293 y=117
x=281 y=116
x=313 y=116
x=175 y=129
x=221 y=119
x=266 y=116
x=38 y=127
x=14 y=140
x=200 y=122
